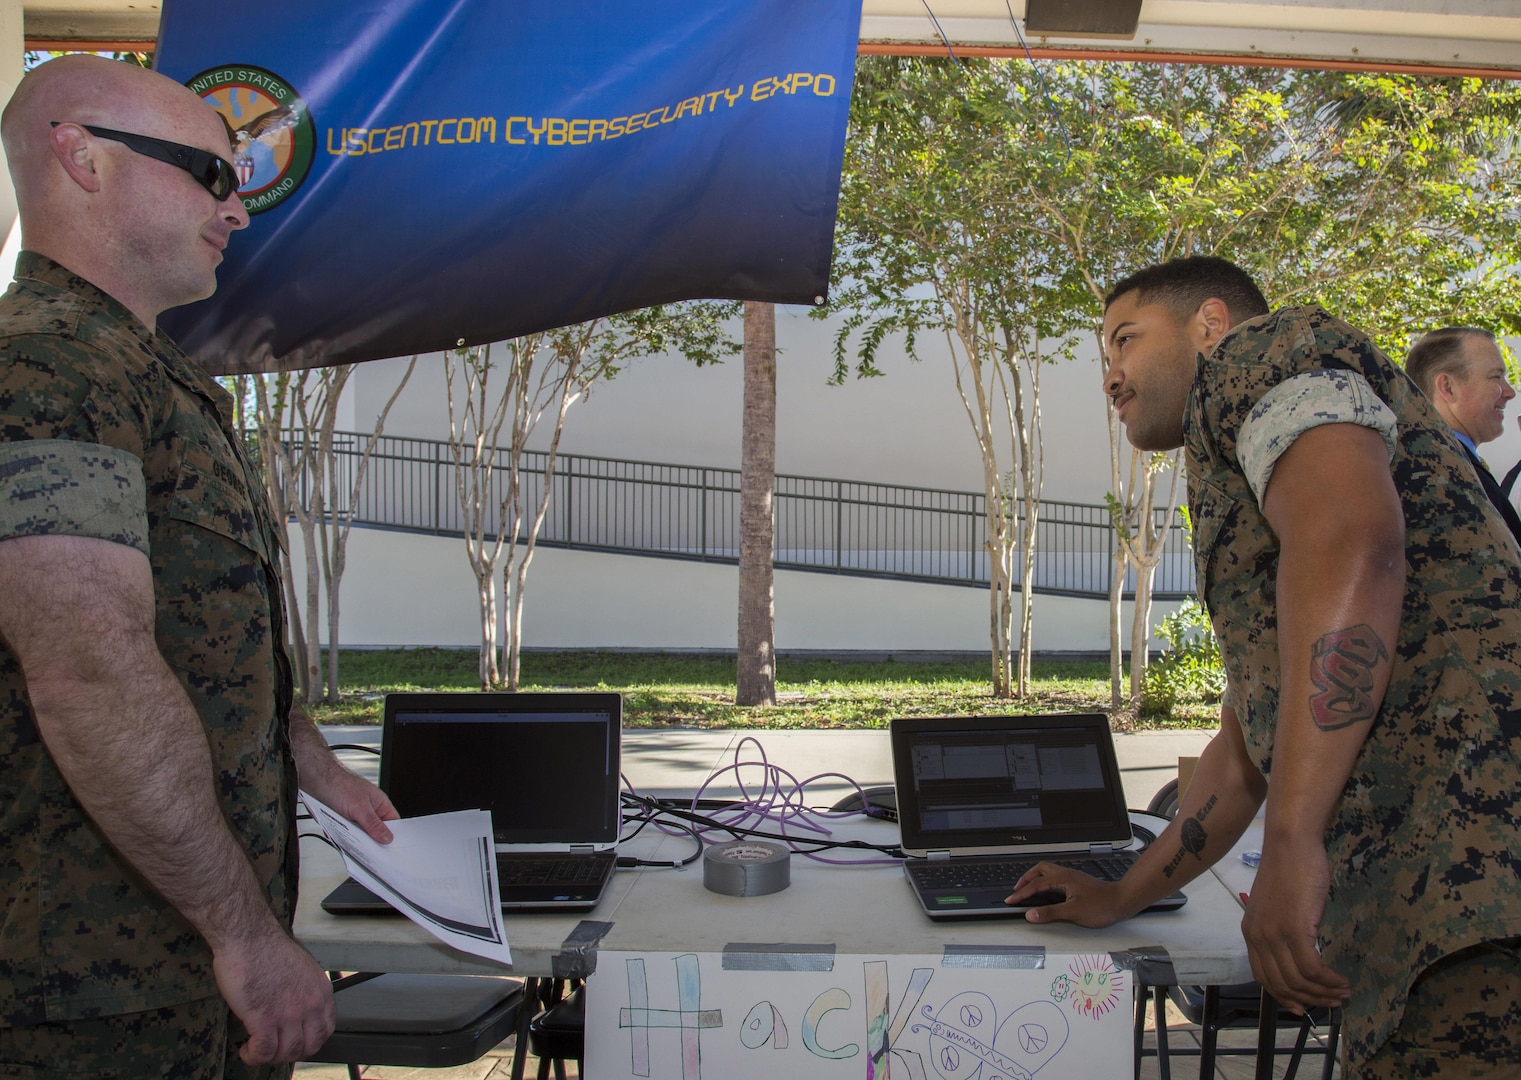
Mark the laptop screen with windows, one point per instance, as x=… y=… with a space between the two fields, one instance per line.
x=1008 y=782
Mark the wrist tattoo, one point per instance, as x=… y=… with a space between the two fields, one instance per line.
x=1194 y=836
x=1341 y=667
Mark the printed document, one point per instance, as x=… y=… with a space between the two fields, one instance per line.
x=439 y=871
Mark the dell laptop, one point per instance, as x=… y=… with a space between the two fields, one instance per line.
x=982 y=799
x=544 y=764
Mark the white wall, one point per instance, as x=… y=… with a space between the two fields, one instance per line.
x=402 y=590
x=905 y=427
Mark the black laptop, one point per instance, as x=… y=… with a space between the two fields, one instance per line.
x=982 y=799
x=544 y=764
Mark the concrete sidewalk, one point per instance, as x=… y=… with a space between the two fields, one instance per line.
x=676 y=761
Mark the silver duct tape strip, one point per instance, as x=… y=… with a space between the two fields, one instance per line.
x=1151 y=964
x=577 y=957
x=1023 y=957
x=746 y=868
x=777 y=956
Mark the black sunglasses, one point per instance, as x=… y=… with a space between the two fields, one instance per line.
x=215 y=174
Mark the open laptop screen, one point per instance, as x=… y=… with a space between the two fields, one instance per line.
x=544 y=765
x=1009 y=782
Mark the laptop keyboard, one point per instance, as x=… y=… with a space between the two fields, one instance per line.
x=514 y=869
x=991 y=872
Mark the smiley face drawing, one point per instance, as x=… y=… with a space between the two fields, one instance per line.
x=1091 y=985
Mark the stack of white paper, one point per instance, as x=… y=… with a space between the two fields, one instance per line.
x=439 y=871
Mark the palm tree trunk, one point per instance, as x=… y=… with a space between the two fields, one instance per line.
x=756 y=677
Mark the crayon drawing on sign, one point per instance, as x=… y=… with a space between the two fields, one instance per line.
x=965 y=1035
x=687 y=1018
x=861 y=1017
x=1092 y=985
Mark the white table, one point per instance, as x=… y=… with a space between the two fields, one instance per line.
x=663 y=910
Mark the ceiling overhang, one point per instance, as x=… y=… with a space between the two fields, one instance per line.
x=77 y=24
x=1437 y=36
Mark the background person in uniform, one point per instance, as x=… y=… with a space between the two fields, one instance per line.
x=149 y=747
x=1461 y=370
x=1367 y=603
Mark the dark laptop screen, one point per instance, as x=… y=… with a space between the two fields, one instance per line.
x=545 y=765
x=985 y=781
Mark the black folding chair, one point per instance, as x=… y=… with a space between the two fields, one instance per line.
x=427 y=1021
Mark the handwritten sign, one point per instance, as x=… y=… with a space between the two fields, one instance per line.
x=784 y=1010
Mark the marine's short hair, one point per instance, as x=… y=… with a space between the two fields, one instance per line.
x=1441 y=352
x=1182 y=285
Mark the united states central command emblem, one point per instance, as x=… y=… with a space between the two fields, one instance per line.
x=270 y=127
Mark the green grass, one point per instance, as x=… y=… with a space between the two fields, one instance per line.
x=673 y=689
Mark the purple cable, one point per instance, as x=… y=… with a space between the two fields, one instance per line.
x=771 y=805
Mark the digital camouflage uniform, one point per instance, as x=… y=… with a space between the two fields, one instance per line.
x=109 y=431
x=1424 y=843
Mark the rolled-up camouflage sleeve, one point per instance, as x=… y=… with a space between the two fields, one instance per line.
x=56 y=487
x=1294 y=406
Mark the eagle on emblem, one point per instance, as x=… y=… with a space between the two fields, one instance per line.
x=262 y=128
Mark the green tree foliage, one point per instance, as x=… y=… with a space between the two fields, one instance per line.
x=997 y=205
x=930 y=242
x=1190 y=671
x=32 y=57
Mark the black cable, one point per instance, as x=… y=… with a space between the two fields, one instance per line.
x=892 y=851
x=648 y=810
x=627 y=861
x=317 y=836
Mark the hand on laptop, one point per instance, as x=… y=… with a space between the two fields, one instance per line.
x=1088 y=900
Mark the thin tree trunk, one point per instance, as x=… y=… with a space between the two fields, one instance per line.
x=488 y=670
x=515 y=577
x=343 y=500
x=1140 y=631
x=1119 y=560
x=756 y=676
x=270 y=407
x=303 y=469
x=1025 y=426
x=1116 y=617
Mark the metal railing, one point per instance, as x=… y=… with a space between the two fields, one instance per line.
x=692 y=512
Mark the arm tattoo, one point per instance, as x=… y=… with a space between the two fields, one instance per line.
x=1342 y=666
x=1194 y=836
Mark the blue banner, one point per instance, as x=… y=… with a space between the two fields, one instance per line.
x=421 y=172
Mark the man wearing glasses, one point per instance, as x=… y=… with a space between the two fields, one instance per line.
x=149 y=746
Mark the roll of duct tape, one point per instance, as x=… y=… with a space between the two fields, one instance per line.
x=746 y=868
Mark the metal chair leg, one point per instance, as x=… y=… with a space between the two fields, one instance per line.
x=520 y=1029
x=1267 y=1036
x=1305 y=1027
x=1332 y=1037
x=1209 y=1032
x=1164 y=1059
